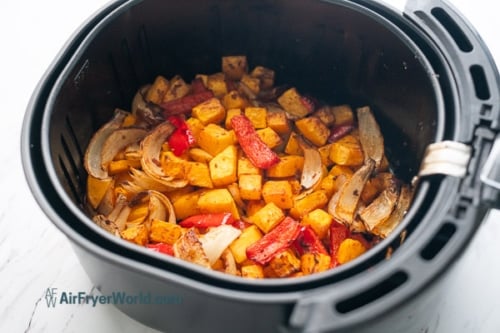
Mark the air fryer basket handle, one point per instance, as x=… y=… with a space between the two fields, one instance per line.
x=476 y=75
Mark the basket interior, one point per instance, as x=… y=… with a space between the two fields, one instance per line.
x=342 y=56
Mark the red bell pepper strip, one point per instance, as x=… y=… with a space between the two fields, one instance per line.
x=186 y=103
x=256 y=150
x=338 y=232
x=275 y=241
x=207 y=220
x=309 y=102
x=197 y=86
x=182 y=138
x=308 y=242
x=339 y=132
x=162 y=248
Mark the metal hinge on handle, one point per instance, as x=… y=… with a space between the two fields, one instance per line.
x=446 y=158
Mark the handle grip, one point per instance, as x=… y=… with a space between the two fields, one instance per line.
x=475 y=74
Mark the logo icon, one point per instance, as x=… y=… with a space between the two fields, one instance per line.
x=51 y=297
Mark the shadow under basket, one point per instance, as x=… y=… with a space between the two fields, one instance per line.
x=426 y=75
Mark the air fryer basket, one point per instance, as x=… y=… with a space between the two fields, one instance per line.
x=409 y=69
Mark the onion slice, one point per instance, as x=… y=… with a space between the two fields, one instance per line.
x=150 y=161
x=160 y=207
x=385 y=228
x=140 y=181
x=92 y=159
x=188 y=247
x=313 y=168
x=118 y=141
x=370 y=136
x=381 y=208
x=350 y=193
x=217 y=239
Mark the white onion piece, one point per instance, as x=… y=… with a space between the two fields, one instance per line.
x=92 y=158
x=313 y=168
x=381 y=208
x=150 y=161
x=118 y=141
x=217 y=239
x=385 y=228
x=141 y=181
x=351 y=192
x=188 y=247
x=370 y=136
x=160 y=207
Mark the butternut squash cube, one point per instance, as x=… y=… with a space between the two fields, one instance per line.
x=209 y=112
x=214 y=139
x=245 y=167
x=349 y=250
x=96 y=189
x=319 y=220
x=291 y=101
x=347 y=151
x=157 y=90
x=267 y=217
x=195 y=126
x=324 y=152
x=257 y=115
x=234 y=100
x=217 y=84
x=314 y=263
x=174 y=166
x=119 y=166
x=288 y=166
x=278 y=121
x=284 y=263
x=293 y=145
x=178 y=88
x=252 y=271
x=304 y=204
x=328 y=185
x=186 y=204
x=250 y=187
x=217 y=201
x=343 y=114
x=139 y=212
x=313 y=129
x=239 y=246
x=252 y=83
x=278 y=192
x=265 y=75
x=223 y=167
x=269 y=137
x=234 y=67
x=137 y=234
x=164 y=232
x=229 y=115
x=253 y=206
x=199 y=155
x=326 y=115
x=199 y=175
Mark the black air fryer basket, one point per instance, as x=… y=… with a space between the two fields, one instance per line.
x=428 y=77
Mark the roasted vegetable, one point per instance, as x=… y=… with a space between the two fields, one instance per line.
x=259 y=154
x=272 y=243
x=241 y=177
